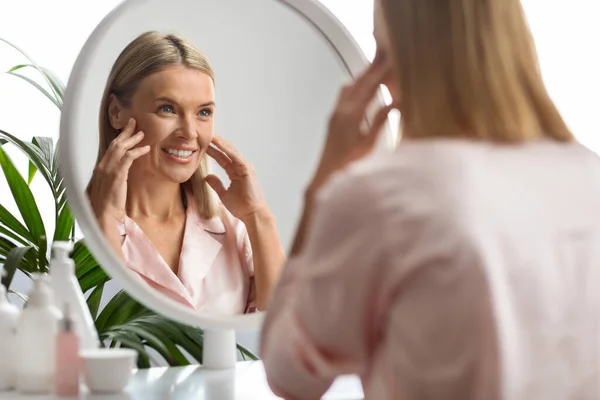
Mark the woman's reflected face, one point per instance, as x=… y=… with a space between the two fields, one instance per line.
x=174 y=108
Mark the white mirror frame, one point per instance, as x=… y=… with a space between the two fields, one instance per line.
x=352 y=57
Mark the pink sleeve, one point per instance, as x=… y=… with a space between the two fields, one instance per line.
x=323 y=318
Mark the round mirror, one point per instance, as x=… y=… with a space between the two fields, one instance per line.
x=263 y=75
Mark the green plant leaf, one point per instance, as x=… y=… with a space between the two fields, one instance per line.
x=189 y=338
x=46 y=146
x=21 y=296
x=92 y=279
x=35 y=156
x=55 y=82
x=129 y=340
x=23 y=197
x=64 y=224
x=30 y=259
x=56 y=162
x=36 y=85
x=35 y=65
x=93 y=300
x=147 y=336
x=12 y=262
x=84 y=261
x=117 y=311
x=247 y=353
x=154 y=324
x=9 y=226
x=42 y=261
x=31 y=172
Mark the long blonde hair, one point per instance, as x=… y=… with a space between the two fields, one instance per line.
x=149 y=53
x=469 y=69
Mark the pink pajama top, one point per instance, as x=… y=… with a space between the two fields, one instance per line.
x=216 y=272
x=447 y=270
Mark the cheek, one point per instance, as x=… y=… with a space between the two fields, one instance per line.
x=205 y=133
x=155 y=129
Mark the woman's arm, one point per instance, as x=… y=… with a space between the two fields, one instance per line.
x=110 y=227
x=324 y=310
x=268 y=256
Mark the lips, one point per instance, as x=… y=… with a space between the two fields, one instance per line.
x=179 y=153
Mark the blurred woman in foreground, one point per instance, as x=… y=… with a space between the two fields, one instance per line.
x=465 y=264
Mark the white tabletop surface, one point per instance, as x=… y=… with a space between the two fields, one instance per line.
x=247 y=381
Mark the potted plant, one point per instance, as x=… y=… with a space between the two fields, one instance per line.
x=24 y=246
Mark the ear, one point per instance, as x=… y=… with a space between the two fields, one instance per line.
x=117 y=113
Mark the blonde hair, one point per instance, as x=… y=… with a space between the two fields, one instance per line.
x=469 y=69
x=149 y=53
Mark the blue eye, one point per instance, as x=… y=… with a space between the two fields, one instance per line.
x=167 y=109
x=207 y=112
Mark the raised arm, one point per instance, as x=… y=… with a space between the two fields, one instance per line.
x=245 y=201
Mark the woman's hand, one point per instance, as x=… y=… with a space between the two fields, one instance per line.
x=346 y=140
x=244 y=197
x=108 y=187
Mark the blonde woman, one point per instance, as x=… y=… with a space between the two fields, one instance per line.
x=151 y=190
x=465 y=265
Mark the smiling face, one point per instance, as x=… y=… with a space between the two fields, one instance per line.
x=174 y=108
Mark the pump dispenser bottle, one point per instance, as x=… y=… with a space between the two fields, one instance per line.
x=9 y=315
x=67 y=291
x=37 y=329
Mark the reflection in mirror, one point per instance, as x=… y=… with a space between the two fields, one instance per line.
x=191 y=215
x=211 y=246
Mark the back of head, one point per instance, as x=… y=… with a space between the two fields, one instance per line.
x=469 y=69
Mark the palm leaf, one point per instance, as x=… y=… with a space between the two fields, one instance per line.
x=40 y=70
x=33 y=83
x=45 y=144
x=64 y=224
x=35 y=155
x=12 y=262
x=160 y=334
x=93 y=300
x=21 y=296
x=55 y=82
x=117 y=311
x=42 y=261
x=31 y=172
x=129 y=340
x=247 y=353
x=13 y=228
x=28 y=263
x=23 y=197
x=95 y=277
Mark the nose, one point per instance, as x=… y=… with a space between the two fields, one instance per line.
x=187 y=128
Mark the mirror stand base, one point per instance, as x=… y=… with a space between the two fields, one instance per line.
x=220 y=349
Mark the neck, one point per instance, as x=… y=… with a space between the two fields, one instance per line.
x=154 y=199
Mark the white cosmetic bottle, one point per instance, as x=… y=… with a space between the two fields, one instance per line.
x=8 y=323
x=37 y=329
x=67 y=291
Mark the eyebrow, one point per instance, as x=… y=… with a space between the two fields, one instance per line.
x=170 y=100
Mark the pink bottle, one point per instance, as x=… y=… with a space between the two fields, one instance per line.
x=67 y=358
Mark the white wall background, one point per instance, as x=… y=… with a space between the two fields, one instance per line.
x=52 y=32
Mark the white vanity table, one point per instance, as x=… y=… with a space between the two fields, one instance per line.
x=246 y=382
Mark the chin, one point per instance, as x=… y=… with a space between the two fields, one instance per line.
x=181 y=179
x=178 y=176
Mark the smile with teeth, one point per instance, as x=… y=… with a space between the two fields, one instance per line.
x=179 y=153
